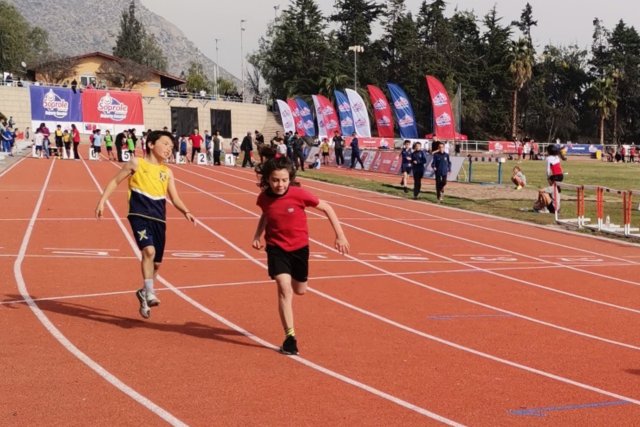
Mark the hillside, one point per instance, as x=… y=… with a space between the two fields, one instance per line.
x=80 y=26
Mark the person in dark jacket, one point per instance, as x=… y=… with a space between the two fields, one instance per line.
x=298 y=152
x=338 y=146
x=355 y=152
x=247 y=148
x=119 y=141
x=441 y=165
x=418 y=160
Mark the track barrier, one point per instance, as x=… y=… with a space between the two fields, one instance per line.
x=474 y=159
x=613 y=209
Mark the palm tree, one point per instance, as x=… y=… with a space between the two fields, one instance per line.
x=327 y=84
x=521 y=69
x=604 y=98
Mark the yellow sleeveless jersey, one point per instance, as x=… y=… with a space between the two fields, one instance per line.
x=148 y=191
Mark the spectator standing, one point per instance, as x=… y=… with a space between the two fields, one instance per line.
x=298 y=152
x=118 y=142
x=324 y=149
x=75 y=138
x=247 y=149
x=235 y=150
x=355 y=152
x=338 y=148
x=441 y=165
x=405 y=168
x=196 y=143
x=418 y=161
x=217 y=148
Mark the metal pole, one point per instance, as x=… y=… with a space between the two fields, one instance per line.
x=355 y=70
x=242 y=21
x=216 y=71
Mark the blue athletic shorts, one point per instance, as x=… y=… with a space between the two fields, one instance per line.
x=148 y=232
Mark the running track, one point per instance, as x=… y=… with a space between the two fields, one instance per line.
x=438 y=316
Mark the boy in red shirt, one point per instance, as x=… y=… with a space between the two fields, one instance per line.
x=284 y=223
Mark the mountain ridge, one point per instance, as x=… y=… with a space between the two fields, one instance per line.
x=93 y=25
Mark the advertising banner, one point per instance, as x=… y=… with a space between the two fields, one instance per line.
x=344 y=111
x=306 y=117
x=322 y=130
x=372 y=142
x=327 y=115
x=584 y=149
x=53 y=106
x=508 y=147
x=114 y=110
x=288 y=122
x=381 y=111
x=443 y=120
x=360 y=114
x=404 y=113
x=295 y=112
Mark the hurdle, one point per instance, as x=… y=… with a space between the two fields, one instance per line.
x=603 y=218
x=474 y=159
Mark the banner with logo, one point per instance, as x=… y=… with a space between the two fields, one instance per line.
x=53 y=106
x=288 y=122
x=297 y=120
x=322 y=130
x=113 y=110
x=443 y=121
x=404 y=113
x=306 y=117
x=326 y=115
x=344 y=110
x=359 y=113
x=381 y=111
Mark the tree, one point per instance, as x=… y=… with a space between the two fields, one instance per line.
x=124 y=73
x=294 y=53
x=129 y=43
x=526 y=22
x=521 y=68
x=197 y=79
x=135 y=44
x=153 y=56
x=19 y=42
x=55 y=68
x=603 y=97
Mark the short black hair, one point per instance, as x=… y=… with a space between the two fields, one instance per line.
x=155 y=135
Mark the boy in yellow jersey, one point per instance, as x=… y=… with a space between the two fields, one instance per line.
x=150 y=180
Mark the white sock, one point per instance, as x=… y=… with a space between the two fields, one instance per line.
x=148 y=285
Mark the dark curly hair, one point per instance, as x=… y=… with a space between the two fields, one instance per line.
x=553 y=149
x=264 y=170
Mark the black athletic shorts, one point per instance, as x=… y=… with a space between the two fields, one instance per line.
x=294 y=263
x=148 y=232
x=406 y=168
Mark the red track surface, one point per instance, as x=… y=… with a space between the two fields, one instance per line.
x=437 y=316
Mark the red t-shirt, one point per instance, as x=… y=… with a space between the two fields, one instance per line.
x=286 y=220
x=196 y=140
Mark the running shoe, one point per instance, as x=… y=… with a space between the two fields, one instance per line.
x=152 y=299
x=289 y=346
x=144 y=310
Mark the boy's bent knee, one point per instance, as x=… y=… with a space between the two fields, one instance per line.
x=149 y=251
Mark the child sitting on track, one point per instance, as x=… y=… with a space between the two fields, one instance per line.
x=149 y=183
x=284 y=223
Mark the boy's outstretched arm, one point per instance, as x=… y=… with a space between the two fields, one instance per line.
x=342 y=245
x=124 y=173
x=177 y=201
x=257 y=244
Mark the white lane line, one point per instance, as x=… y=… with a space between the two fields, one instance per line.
x=61 y=338
x=362 y=386
x=503 y=276
x=260 y=282
x=415 y=331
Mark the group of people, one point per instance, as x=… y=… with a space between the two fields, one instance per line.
x=283 y=223
x=67 y=140
x=413 y=162
x=8 y=133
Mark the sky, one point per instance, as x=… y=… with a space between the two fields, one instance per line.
x=561 y=22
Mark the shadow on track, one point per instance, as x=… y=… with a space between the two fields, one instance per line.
x=193 y=329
